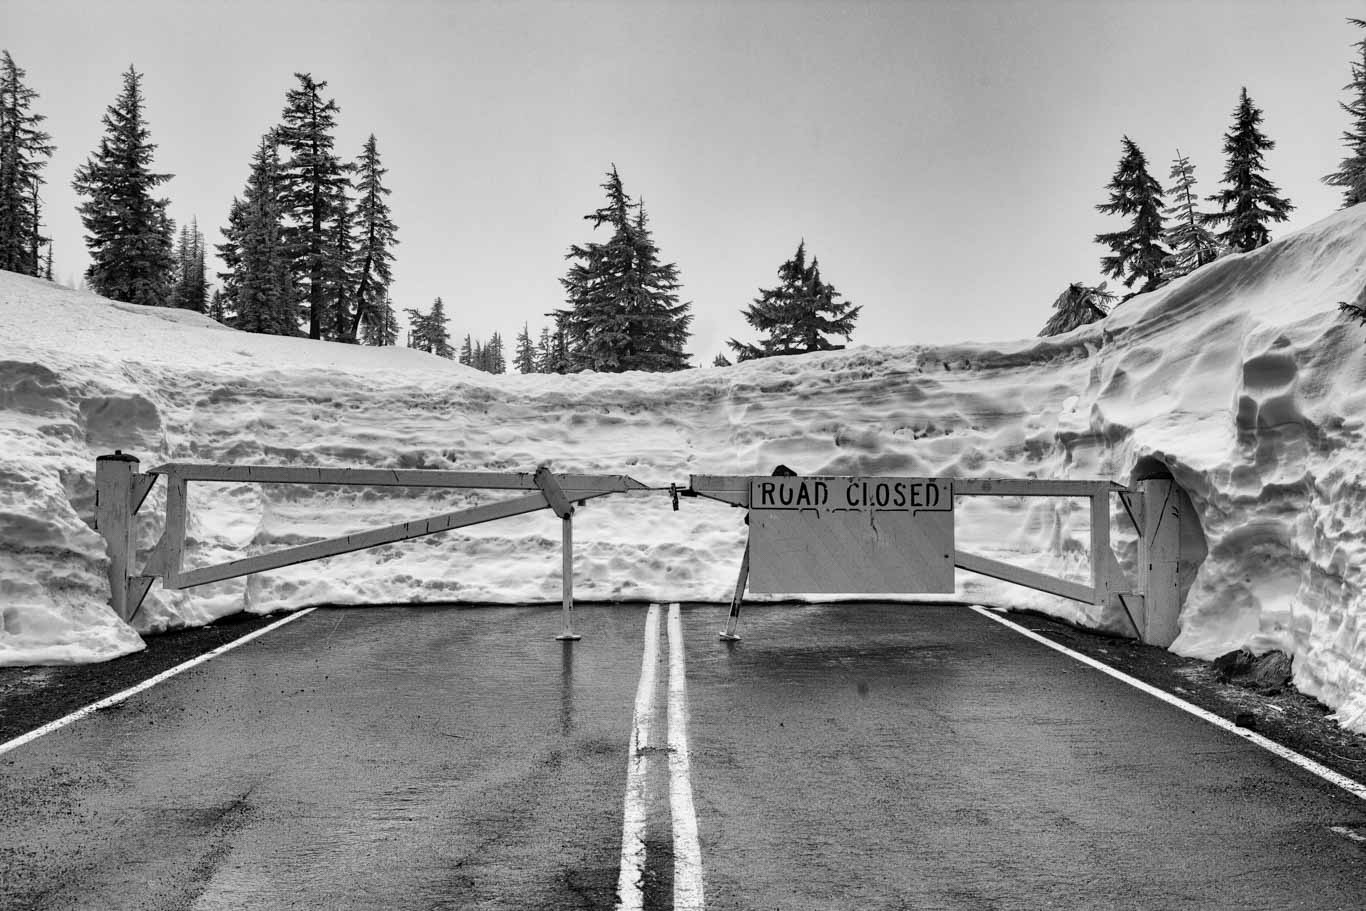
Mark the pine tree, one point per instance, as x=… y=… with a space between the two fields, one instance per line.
x=375 y=240
x=493 y=352
x=429 y=331
x=720 y=360
x=1077 y=306
x=623 y=310
x=47 y=262
x=24 y=149
x=525 y=357
x=467 y=352
x=1351 y=173
x=218 y=308
x=1191 y=243
x=799 y=314
x=128 y=231
x=190 y=288
x=545 y=351
x=314 y=183
x=337 y=279
x=257 y=286
x=380 y=325
x=1250 y=200
x=1138 y=252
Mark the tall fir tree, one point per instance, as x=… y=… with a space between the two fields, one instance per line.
x=799 y=315
x=24 y=150
x=525 y=357
x=623 y=311
x=313 y=197
x=494 y=359
x=1351 y=172
x=1138 y=251
x=375 y=240
x=190 y=288
x=1249 y=200
x=258 y=285
x=129 y=234
x=380 y=328
x=466 y=356
x=1191 y=243
x=429 y=331
x=1077 y=306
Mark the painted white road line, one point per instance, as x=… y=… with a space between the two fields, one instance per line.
x=146 y=684
x=631 y=879
x=688 y=892
x=1303 y=762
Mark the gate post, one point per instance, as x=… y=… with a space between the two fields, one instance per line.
x=1159 y=557
x=114 y=475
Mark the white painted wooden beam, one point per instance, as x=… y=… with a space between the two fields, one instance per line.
x=1026 y=577
x=334 y=546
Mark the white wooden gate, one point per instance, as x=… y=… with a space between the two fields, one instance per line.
x=1151 y=602
x=120 y=490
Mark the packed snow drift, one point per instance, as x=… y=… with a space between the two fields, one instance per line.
x=1242 y=380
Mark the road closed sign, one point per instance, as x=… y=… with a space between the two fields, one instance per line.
x=851 y=535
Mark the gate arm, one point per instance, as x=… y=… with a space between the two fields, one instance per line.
x=334 y=546
x=732 y=489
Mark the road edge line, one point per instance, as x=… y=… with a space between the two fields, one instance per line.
x=150 y=682
x=1304 y=762
x=688 y=880
x=635 y=808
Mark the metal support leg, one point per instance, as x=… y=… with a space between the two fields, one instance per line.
x=729 y=635
x=567 y=633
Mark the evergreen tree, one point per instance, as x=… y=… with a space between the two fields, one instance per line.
x=218 y=308
x=257 y=286
x=128 y=231
x=190 y=290
x=467 y=352
x=799 y=314
x=623 y=310
x=429 y=331
x=47 y=263
x=1138 y=252
x=545 y=352
x=1250 y=200
x=493 y=351
x=1351 y=173
x=24 y=149
x=525 y=357
x=314 y=183
x=1077 y=306
x=720 y=360
x=380 y=325
x=1191 y=243
x=337 y=280
x=375 y=240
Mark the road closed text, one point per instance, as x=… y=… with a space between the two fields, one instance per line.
x=851 y=493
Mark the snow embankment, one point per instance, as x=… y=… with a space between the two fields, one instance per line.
x=1242 y=379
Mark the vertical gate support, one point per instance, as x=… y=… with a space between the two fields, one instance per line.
x=1159 y=557
x=115 y=478
x=550 y=487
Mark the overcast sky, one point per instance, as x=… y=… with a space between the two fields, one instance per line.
x=942 y=159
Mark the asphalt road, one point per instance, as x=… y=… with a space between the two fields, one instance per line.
x=840 y=756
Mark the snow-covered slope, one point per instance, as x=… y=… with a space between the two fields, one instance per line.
x=1242 y=379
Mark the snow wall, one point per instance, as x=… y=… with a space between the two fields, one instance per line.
x=1242 y=379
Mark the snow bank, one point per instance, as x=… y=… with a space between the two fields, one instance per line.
x=1241 y=379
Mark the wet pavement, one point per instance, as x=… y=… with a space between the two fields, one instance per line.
x=841 y=756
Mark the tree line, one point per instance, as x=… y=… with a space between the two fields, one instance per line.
x=1169 y=235
x=308 y=245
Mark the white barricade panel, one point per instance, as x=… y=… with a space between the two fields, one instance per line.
x=854 y=535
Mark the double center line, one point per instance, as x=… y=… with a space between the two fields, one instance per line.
x=687 y=855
